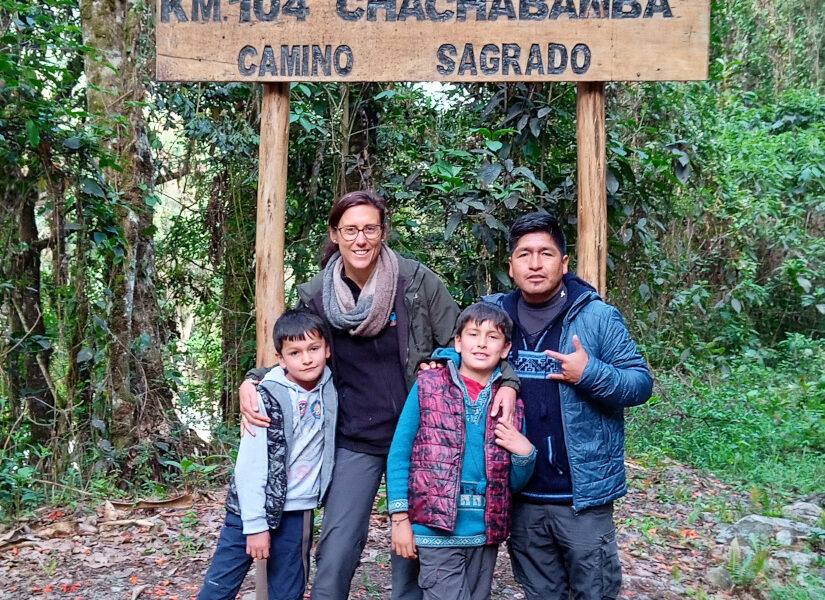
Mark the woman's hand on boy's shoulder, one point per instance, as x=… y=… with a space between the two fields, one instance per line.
x=250 y=417
x=505 y=400
x=257 y=545
x=433 y=364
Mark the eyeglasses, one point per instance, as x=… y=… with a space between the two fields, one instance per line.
x=350 y=232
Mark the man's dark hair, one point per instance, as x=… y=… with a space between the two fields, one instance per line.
x=296 y=325
x=537 y=222
x=486 y=311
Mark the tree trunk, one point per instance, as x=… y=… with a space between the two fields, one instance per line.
x=141 y=400
x=357 y=130
x=28 y=308
x=234 y=242
x=78 y=378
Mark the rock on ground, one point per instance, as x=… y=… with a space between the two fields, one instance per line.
x=807 y=512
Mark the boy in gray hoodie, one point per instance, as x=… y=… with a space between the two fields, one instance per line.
x=282 y=474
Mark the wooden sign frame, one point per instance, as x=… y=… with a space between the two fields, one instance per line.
x=278 y=41
x=432 y=40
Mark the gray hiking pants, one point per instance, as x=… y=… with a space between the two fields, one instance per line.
x=355 y=480
x=557 y=552
x=457 y=573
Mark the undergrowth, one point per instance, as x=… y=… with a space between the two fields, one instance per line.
x=759 y=423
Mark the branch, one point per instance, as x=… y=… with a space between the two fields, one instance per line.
x=43 y=243
x=13 y=427
x=40 y=363
x=65 y=487
x=25 y=335
x=175 y=175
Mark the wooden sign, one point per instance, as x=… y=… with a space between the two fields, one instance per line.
x=432 y=40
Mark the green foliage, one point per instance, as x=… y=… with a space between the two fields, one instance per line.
x=763 y=423
x=716 y=204
x=810 y=588
x=16 y=491
x=193 y=474
x=734 y=258
x=746 y=567
x=190 y=538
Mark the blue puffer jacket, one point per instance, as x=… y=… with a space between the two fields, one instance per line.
x=616 y=376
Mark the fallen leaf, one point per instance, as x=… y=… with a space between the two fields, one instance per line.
x=86 y=529
x=14 y=536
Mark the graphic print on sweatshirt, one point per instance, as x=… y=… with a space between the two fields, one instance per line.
x=304 y=474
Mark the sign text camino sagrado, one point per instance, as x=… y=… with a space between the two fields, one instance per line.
x=432 y=40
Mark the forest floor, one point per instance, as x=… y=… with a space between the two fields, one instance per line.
x=667 y=526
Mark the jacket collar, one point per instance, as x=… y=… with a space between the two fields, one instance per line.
x=579 y=293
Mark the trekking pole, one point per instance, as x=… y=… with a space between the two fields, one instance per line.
x=261 y=591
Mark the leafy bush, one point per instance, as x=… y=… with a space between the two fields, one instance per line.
x=761 y=423
x=720 y=219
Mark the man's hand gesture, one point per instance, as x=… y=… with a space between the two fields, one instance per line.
x=572 y=365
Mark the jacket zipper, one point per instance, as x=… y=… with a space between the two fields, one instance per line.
x=453 y=375
x=580 y=301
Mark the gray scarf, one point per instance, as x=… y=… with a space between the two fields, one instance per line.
x=368 y=316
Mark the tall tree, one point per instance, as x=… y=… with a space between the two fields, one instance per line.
x=32 y=351
x=141 y=400
x=25 y=135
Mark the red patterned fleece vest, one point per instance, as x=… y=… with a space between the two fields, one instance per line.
x=435 y=465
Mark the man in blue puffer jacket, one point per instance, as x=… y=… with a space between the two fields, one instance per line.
x=579 y=369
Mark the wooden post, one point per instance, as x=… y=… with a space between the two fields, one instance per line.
x=261 y=580
x=271 y=218
x=592 y=167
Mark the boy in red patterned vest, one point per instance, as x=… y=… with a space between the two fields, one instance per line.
x=452 y=467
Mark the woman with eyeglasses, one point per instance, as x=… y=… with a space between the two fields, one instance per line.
x=386 y=314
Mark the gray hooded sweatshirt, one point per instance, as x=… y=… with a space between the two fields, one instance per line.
x=309 y=429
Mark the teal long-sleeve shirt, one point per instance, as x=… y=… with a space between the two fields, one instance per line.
x=470 y=528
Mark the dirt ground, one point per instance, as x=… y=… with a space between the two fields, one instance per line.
x=667 y=525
